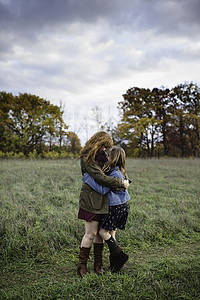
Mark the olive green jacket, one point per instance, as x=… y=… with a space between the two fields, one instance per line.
x=89 y=199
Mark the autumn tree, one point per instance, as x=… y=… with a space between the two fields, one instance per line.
x=191 y=98
x=139 y=123
x=164 y=119
x=72 y=143
x=29 y=120
x=6 y=135
x=161 y=105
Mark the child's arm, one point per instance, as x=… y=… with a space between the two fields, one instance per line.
x=95 y=171
x=94 y=185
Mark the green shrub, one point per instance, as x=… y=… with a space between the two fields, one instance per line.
x=33 y=155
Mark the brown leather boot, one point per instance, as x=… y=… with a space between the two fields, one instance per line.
x=83 y=258
x=98 y=255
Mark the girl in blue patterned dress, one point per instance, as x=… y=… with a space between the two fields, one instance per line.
x=118 y=206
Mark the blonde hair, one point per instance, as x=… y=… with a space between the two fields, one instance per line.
x=117 y=158
x=91 y=147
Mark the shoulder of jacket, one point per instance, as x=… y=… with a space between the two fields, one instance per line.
x=115 y=171
x=95 y=164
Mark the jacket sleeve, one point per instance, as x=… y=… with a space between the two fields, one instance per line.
x=95 y=171
x=94 y=185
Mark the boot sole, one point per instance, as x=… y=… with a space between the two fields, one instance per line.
x=82 y=274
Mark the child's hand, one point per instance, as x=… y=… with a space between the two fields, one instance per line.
x=126 y=183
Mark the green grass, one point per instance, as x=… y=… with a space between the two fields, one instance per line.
x=40 y=234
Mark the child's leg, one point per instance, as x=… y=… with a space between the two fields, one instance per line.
x=98 y=239
x=112 y=233
x=98 y=245
x=91 y=236
x=105 y=234
x=91 y=229
x=117 y=257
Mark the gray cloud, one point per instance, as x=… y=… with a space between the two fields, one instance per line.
x=91 y=51
x=169 y=16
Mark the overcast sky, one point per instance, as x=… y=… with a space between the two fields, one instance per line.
x=88 y=53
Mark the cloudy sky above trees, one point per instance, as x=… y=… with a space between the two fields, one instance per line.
x=87 y=53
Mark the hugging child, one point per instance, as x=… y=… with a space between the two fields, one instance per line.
x=118 y=206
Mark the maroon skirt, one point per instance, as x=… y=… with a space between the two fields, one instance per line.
x=88 y=216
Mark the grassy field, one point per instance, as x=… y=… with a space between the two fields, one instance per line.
x=40 y=234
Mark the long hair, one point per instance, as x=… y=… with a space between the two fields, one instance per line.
x=117 y=158
x=91 y=147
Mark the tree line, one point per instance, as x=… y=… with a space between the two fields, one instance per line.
x=153 y=122
x=29 y=123
x=160 y=121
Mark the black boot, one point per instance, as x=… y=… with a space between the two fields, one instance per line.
x=117 y=259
